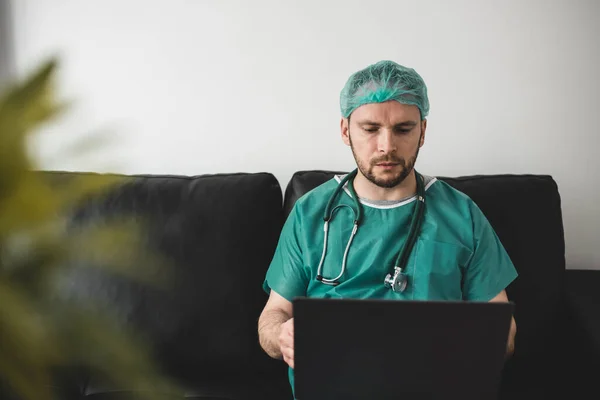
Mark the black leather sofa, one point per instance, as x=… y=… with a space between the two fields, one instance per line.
x=220 y=231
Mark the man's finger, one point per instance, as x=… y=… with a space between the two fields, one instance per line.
x=289 y=361
x=286 y=341
x=288 y=352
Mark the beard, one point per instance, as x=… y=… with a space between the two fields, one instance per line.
x=392 y=179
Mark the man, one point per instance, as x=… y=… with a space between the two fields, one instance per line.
x=457 y=255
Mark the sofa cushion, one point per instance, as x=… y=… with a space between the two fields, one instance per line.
x=218 y=234
x=525 y=211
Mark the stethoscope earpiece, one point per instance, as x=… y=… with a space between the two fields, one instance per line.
x=331 y=282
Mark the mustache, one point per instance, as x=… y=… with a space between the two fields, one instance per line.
x=389 y=159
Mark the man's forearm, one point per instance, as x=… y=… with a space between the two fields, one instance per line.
x=269 y=327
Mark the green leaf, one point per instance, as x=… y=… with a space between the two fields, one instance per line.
x=39 y=330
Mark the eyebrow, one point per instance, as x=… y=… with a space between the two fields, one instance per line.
x=403 y=124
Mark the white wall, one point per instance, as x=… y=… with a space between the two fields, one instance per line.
x=193 y=87
x=6 y=53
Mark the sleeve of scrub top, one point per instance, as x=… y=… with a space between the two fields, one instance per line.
x=286 y=275
x=490 y=269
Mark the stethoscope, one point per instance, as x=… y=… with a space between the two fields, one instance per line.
x=396 y=280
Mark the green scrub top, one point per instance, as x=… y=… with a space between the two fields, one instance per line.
x=457 y=256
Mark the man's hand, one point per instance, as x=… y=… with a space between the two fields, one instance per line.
x=510 y=344
x=276 y=329
x=286 y=342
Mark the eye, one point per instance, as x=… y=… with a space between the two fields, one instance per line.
x=371 y=129
x=403 y=131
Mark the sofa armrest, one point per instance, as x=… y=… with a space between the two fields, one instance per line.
x=582 y=292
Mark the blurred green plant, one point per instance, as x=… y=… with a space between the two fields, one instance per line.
x=39 y=330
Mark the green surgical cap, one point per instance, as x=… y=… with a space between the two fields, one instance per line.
x=384 y=81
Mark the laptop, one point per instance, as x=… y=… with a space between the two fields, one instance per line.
x=385 y=349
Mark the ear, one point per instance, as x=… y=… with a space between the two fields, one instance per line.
x=345 y=131
x=423 y=129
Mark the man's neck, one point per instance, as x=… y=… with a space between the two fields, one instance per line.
x=368 y=190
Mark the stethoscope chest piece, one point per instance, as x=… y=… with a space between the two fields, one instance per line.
x=398 y=281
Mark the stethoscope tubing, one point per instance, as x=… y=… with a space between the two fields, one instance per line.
x=402 y=258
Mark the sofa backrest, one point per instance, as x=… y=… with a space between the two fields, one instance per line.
x=218 y=234
x=525 y=211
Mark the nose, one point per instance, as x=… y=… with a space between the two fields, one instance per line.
x=386 y=142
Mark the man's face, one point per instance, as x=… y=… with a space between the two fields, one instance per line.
x=385 y=139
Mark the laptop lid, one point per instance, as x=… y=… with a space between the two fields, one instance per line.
x=384 y=349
